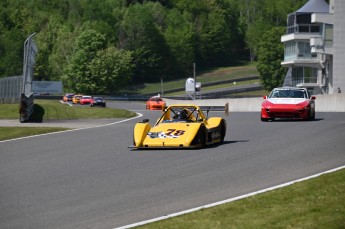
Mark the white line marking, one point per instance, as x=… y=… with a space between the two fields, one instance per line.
x=61 y=101
x=84 y=128
x=227 y=200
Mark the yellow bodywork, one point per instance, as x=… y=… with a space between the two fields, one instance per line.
x=165 y=134
x=196 y=131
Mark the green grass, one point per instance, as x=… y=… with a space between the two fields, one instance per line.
x=17 y=132
x=312 y=204
x=214 y=87
x=9 y=111
x=219 y=74
x=53 y=110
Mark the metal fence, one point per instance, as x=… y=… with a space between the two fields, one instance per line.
x=10 y=89
x=18 y=89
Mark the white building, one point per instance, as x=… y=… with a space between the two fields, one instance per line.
x=315 y=47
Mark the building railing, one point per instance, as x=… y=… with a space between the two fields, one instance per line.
x=304 y=28
x=301 y=56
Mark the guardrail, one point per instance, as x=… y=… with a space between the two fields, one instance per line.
x=323 y=103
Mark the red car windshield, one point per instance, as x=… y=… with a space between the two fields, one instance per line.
x=288 y=93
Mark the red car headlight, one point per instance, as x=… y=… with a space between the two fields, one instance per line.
x=266 y=105
x=304 y=105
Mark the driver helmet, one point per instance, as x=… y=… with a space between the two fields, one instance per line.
x=181 y=115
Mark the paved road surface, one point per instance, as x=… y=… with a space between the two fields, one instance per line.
x=88 y=178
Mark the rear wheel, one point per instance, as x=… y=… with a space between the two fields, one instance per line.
x=222 y=130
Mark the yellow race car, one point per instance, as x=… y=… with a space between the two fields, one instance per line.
x=181 y=126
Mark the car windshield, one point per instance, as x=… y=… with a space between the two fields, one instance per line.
x=86 y=97
x=288 y=93
x=156 y=99
x=180 y=114
x=97 y=98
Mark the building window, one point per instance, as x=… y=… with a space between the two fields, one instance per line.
x=303 y=75
x=328 y=35
x=304 y=49
x=297 y=76
x=290 y=50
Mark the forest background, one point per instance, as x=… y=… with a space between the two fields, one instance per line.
x=101 y=46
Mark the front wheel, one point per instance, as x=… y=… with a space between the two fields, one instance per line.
x=201 y=136
x=264 y=119
x=312 y=115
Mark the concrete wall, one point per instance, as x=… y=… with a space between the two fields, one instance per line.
x=323 y=103
x=339 y=46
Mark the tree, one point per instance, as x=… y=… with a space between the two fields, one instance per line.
x=62 y=50
x=181 y=38
x=11 y=50
x=270 y=55
x=139 y=34
x=97 y=69
x=111 y=70
x=78 y=74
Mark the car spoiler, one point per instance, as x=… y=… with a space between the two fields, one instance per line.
x=224 y=108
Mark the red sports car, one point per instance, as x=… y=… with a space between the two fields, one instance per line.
x=288 y=102
x=155 y=103
x=85 y=99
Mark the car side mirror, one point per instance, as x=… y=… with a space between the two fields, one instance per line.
x=145 y=120
x=313 y=97
x=264 y=97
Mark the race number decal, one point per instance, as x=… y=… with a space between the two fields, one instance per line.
x=172 y=133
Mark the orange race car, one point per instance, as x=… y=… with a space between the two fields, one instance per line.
x=67 y=97
x=155 y=103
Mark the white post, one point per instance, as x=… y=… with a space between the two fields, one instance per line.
x=194 y=80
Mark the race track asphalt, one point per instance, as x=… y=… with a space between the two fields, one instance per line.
x=88 y=178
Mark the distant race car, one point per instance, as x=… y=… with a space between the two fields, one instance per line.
x=85 y=99
x=288 y=102
x=76 y=99
x=155 y=103
x=98 y=101
x=67 y=97
x=181 y=126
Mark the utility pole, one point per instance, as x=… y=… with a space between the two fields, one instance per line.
x=194 y=74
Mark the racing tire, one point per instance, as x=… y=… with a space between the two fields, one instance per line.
x=312 y=115
x=222 y=131
x=264 y=119
x=202 y=136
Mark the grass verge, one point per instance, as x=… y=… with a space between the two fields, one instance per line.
x=53 y=110
x=315 y=203
x=7 y=133
x=219 y=74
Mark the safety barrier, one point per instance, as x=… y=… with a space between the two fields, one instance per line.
x=323 y=103
x=10 y=89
